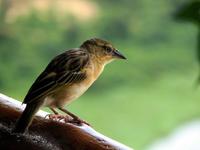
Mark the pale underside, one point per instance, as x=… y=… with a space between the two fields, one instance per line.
x=67 y=93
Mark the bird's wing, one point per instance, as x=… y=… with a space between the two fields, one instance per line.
x=66 y=68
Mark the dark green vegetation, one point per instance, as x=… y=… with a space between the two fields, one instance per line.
x=134 y=101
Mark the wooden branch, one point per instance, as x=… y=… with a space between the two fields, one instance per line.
x=45 y=134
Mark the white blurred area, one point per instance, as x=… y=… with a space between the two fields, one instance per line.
x=186 y=137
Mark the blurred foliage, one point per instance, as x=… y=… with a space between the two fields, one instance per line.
x=189 y=12
x=151 y=92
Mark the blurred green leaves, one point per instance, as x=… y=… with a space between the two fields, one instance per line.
x=143 y=30
x=146 y=90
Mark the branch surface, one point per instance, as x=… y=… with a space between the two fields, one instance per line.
x=45 y=134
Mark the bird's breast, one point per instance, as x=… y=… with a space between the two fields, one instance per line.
x=68 y=93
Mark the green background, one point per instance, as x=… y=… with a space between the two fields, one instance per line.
x=134 y=101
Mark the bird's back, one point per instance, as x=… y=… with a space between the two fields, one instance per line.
x=65 y=68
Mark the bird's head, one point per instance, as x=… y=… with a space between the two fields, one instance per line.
x=102 y=50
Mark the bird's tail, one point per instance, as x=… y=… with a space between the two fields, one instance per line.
x=26 y=118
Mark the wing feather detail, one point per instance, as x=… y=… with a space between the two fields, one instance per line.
x=64 y=69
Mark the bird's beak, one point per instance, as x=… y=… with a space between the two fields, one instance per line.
x=118 y=55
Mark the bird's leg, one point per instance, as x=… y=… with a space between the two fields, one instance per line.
x=76 y=119
x=54 y=111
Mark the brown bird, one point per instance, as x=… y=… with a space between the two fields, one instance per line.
x=66 y=78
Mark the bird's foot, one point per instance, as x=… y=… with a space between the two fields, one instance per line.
x=78 y=121
x=66 y=119
x=57 y=117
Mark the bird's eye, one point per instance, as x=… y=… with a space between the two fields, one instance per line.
x=108 y=49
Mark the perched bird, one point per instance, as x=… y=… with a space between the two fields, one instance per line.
x=66 y=78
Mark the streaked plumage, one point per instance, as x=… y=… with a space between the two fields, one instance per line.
x=64 y=70
x=66 y=78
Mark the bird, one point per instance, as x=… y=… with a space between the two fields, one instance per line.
x=66 y=78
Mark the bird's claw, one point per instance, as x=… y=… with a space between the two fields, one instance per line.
x=57 y=117
x=79 y=121
x=66 y=119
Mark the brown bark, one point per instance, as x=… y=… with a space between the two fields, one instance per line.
x=46 y=134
